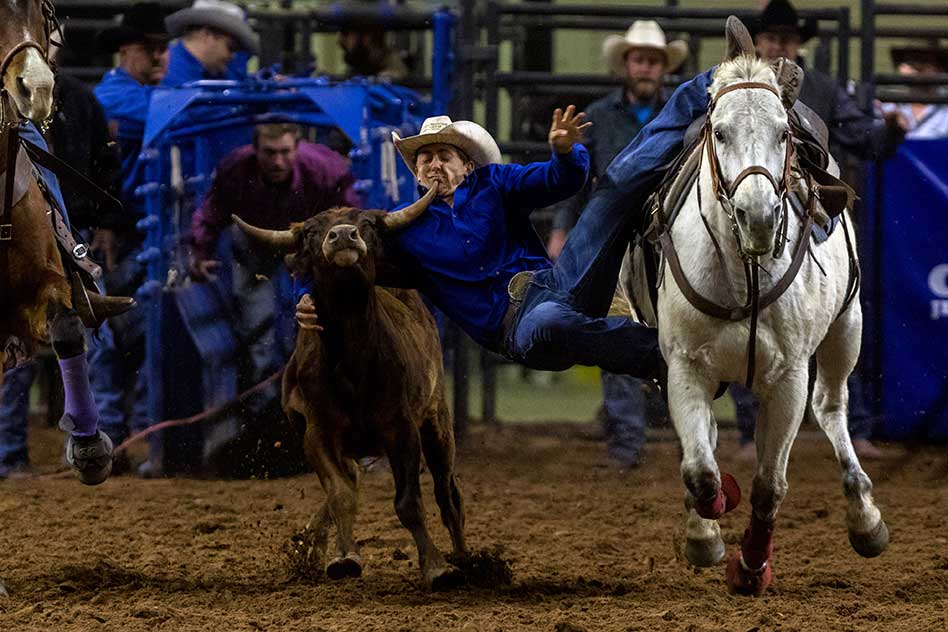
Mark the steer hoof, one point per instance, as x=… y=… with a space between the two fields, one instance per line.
x=704 y=553
x=445 y=578
x=728 y=498
x=873 y=543
x=342 y=567
x=744 y=581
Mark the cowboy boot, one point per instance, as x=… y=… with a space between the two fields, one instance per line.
x=94 y=308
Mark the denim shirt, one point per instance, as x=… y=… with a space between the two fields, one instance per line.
x=125 y=103
x=463 y=257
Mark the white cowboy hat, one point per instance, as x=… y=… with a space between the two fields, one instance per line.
x=643 y=34
x=218 y=14
x=471 y=138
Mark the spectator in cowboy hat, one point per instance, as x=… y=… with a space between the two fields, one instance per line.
x=211 y=32
x=141 y=41
x=641 y=57
x=925 y=120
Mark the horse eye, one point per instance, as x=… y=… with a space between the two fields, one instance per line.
x=785 y=136
x=718 y=136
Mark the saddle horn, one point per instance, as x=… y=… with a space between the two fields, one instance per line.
x=738 y=39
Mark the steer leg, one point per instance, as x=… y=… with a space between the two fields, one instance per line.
x=437 y=440
x=403 y=447
x=709 y=494
x=836 y=358
x=339 y=477
x=749 y=570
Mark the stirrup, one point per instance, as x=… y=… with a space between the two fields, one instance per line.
x=90 y=457
x=94 y=308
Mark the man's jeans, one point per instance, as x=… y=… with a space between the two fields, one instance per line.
x=562 y=320
x=14 y=408
x=625 y=407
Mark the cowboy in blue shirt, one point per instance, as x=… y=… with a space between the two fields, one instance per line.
x=141 y=42
x=215 y=43
x=476 y=256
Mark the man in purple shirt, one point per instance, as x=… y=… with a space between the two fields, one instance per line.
x=278 y=180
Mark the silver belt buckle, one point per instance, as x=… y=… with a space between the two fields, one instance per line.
x=80 y=251
x=518 y=284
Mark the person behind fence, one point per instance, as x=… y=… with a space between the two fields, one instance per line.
x=641 y=57
x=278 y=180
x=213 y=35
x=925 y=120
x=780 y=32
x=140 y=40
x=366 y=51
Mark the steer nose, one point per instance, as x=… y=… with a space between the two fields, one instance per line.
x=344 y=234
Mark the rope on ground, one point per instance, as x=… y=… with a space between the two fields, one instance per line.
x=203 y=416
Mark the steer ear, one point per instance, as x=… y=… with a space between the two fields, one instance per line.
x=738 y=40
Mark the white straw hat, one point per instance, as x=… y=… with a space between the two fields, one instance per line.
x=643 y=34
x=471 y=138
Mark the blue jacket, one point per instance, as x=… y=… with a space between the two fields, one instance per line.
x=125 y=102
x=183 y=67
x=462 y=258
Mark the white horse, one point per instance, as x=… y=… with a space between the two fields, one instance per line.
x=749 y=128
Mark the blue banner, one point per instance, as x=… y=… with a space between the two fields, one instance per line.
x=914 y=275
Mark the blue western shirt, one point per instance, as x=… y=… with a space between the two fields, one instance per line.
x=125 y=102
x=183 y=67
x=463 y=257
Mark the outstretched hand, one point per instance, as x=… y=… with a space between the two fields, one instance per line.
x=567 y=129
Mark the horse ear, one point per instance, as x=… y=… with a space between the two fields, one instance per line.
x=790 y=79
x=738 y=39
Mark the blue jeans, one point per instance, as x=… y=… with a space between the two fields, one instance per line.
x=562 y=320
x=625 y=406
x=14 y=408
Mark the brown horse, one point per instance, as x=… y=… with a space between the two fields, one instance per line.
x=39 y=297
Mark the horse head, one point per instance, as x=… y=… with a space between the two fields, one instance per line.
x=749 y=150
x=25 y=29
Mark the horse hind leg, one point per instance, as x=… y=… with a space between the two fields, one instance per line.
x=835 y=360
x=749 y=570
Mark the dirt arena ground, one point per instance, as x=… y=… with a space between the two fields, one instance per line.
x=592 y=548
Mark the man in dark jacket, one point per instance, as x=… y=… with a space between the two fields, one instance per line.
x=641 y=57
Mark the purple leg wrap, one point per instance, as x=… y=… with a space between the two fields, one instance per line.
x=80 y=405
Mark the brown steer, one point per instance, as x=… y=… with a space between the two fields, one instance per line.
x=369 y=383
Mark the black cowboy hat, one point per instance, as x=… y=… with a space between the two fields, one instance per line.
x=142 y=22
x=932 y=54
x=781 y=16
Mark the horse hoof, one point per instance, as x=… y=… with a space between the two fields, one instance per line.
x=873 y=543
x=446 y=578
x=342 y=567
x=704 y=553
x=744 y=581
x=728 y=498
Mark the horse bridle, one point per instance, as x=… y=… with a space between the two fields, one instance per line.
x=10 y=125
x=724 y=192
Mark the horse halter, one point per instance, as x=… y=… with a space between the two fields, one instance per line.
x=724 y=192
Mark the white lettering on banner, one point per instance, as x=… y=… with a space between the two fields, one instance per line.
x=939 y=309
x=938 y=280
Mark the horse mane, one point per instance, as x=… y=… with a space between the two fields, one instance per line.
x=739 y=69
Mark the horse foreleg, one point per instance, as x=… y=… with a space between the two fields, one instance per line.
x=836 y=358
x=748 y=570
x=689 y=400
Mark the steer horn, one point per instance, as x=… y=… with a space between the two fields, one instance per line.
x=401 y=219
x=280 y=240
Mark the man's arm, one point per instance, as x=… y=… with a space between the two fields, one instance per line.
x=860 y=134
x=207 y=223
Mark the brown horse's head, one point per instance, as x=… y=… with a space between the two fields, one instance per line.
x=28 y=78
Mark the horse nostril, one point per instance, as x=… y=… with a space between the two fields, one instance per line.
x=741 y=214
x=22 y=87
